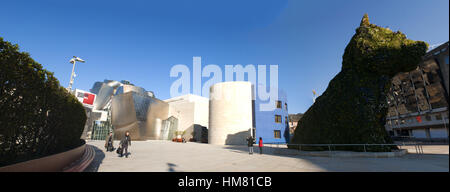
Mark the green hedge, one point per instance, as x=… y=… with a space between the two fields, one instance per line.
x=38 y=117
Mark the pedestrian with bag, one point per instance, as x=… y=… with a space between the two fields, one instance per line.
x=124 y=142
x=109 y=141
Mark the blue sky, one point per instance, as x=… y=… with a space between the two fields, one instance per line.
x=141 y=40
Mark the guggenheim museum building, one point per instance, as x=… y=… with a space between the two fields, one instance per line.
x=230 y=114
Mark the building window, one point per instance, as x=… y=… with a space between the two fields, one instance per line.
x=446 y=60
x=286 y=120
x=279 y=104
x=428 y=117
x=285 y=106
x=439 y=117
x=277 y=134
x=278 y=118
x=391 y=133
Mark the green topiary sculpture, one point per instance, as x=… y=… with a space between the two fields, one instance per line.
x=353 y=108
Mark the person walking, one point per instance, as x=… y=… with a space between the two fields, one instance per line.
x=260 y=145
x=126 y=140
x=250 y=142
x=109 y=141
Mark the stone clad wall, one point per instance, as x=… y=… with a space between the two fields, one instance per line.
x=230 y=113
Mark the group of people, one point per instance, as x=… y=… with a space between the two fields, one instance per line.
x=251 y=141
x=123 y=145
x=126 y=141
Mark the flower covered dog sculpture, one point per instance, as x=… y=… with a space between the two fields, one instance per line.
x=353 y=108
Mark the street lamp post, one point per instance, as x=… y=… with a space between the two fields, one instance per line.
x=314 y=96
x=73 y=61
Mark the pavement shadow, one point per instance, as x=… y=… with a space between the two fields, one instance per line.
x=270 y=150
x=98 y=159
x=125 y=154
x=425 y=156
x=171 y=167
x=266 y=150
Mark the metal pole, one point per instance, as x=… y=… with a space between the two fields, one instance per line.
x=445 y=126
x=71 y=77
x=329 y=149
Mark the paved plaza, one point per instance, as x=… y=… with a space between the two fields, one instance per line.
x=169 y=156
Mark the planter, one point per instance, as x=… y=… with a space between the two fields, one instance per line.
x=52 y=163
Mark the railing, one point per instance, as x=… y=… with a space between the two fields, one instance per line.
x=418 y=146
x=423 y=141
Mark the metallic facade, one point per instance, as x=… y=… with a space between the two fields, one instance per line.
x=139 y=114
x=104 y=91
x=169 y=127
x=130 y=108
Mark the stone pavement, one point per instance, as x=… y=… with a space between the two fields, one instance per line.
x=429 y=149
x=165 y=156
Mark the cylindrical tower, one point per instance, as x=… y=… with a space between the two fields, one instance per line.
x=230 y=112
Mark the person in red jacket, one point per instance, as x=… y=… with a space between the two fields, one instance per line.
x=260 y=145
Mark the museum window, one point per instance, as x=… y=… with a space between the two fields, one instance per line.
x=279 y=104
x=277 y=134
x=278 y=118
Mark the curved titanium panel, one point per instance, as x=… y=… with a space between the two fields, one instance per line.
x=138 y=114
x=104 y=92
x=156 y=111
